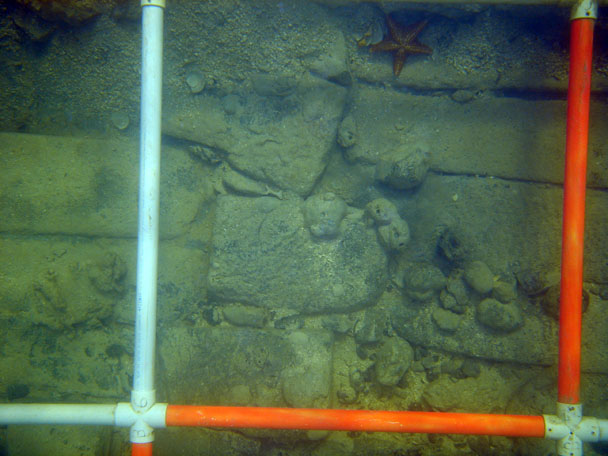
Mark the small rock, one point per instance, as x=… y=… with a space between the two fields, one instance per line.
x=462 y=96
x=305 y=386
x=395 y=236
x=108 y=274
x=120 y=120
x=446 y=320
x=339 y=324
x=323 y=214
x=449 y=302
x=536 y=282
x=452 y=245
x=457 y=287
x=496 y=315
x=211 y=315
x=382 y=211
x=370 y=329
x=358 y=380
x=405 y=170
x=422 y=280
x=393 y=360
x=240 y=395
x=503 y=291
x=347 y=132
x=289 y=322
x=240 y=315
x=231 y=104
x=346 y=394
x=550 y=301
x=479 y=277
x=195 y=82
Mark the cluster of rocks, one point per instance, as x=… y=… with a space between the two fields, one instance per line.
x=393 y=231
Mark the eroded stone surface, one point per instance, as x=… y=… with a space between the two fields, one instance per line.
x=244 y=366
x=264 y=255
x=282 y=140
x=89 y=188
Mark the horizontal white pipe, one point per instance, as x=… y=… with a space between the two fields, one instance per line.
x=96 y=414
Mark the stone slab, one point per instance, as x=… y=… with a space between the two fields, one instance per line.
x=66 y=366
x=283 y=140
x=536 y=342
x=533 y=343
x=490 y=136
x=42 y=440
x=509 y=225
x=242 y=366
x=87 y=187
x=264 y=255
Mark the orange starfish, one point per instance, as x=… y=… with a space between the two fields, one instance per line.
x=402 y=41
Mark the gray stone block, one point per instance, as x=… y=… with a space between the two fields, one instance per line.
x=243 y=366
x=265 y=256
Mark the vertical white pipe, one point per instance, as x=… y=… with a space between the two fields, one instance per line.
x=143 y=394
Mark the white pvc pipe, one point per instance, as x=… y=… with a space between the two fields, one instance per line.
x=143 y=396
x=97 y=414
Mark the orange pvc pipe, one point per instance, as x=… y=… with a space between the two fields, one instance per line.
x=355 y=420
x=141 y=449
x=579 y=87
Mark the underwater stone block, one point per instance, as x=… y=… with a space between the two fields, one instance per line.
x=89 y=187
x=264 y=255
x=223 y=362
x=284 y=144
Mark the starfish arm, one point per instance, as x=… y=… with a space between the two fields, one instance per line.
x=417 y=48
x=394 y=30
x=399 y=60
x=412 y=32
x=384 y=46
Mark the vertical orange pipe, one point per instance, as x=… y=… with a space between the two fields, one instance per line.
x=141 y=449
x=581 y=44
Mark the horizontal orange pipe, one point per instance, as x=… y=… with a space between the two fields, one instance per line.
x=355 y=420
x=577 y=127
x=141 y=449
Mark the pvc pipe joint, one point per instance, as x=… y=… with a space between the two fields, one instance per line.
x=571 y=429
x=159 y=3
x=142 y=400
x=583 y=9
x=142 y=424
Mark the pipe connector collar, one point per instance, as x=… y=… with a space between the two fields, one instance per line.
x=159 y=3
x=142 y=400
x=584 y=9
x=142 y=424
